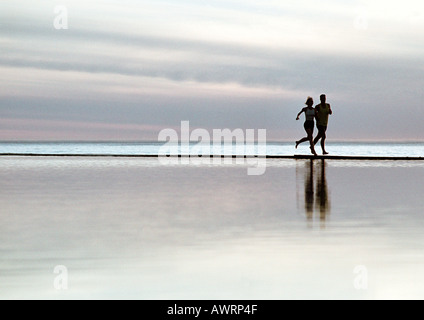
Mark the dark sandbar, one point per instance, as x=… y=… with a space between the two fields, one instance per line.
x=295 y=157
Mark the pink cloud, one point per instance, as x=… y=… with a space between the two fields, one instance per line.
x=33 y=129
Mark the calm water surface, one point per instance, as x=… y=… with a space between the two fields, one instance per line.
x=135 y=229
x=286 y=149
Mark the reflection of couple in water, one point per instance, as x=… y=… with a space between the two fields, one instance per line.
x=321 y=114
x=317 y=195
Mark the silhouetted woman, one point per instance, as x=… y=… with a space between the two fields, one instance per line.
x=309 y=124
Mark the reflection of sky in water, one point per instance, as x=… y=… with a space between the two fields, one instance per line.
x=131 y=228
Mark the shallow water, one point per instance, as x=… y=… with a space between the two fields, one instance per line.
x=136 y=229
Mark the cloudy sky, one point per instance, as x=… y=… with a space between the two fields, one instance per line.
x=125 y=69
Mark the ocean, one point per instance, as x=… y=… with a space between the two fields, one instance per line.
x=369 y=149
x=135 y=228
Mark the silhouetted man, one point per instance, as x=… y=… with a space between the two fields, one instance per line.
x=322 y=113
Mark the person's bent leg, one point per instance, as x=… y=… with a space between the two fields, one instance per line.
x=301 y=141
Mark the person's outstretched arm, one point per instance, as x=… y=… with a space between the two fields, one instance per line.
x=298 y=116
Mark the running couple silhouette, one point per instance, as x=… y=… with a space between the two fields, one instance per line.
x=321 y=114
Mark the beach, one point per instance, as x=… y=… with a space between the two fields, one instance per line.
x=234 y=151
x=133 y=228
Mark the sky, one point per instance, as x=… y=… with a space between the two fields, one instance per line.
x=125 y=70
